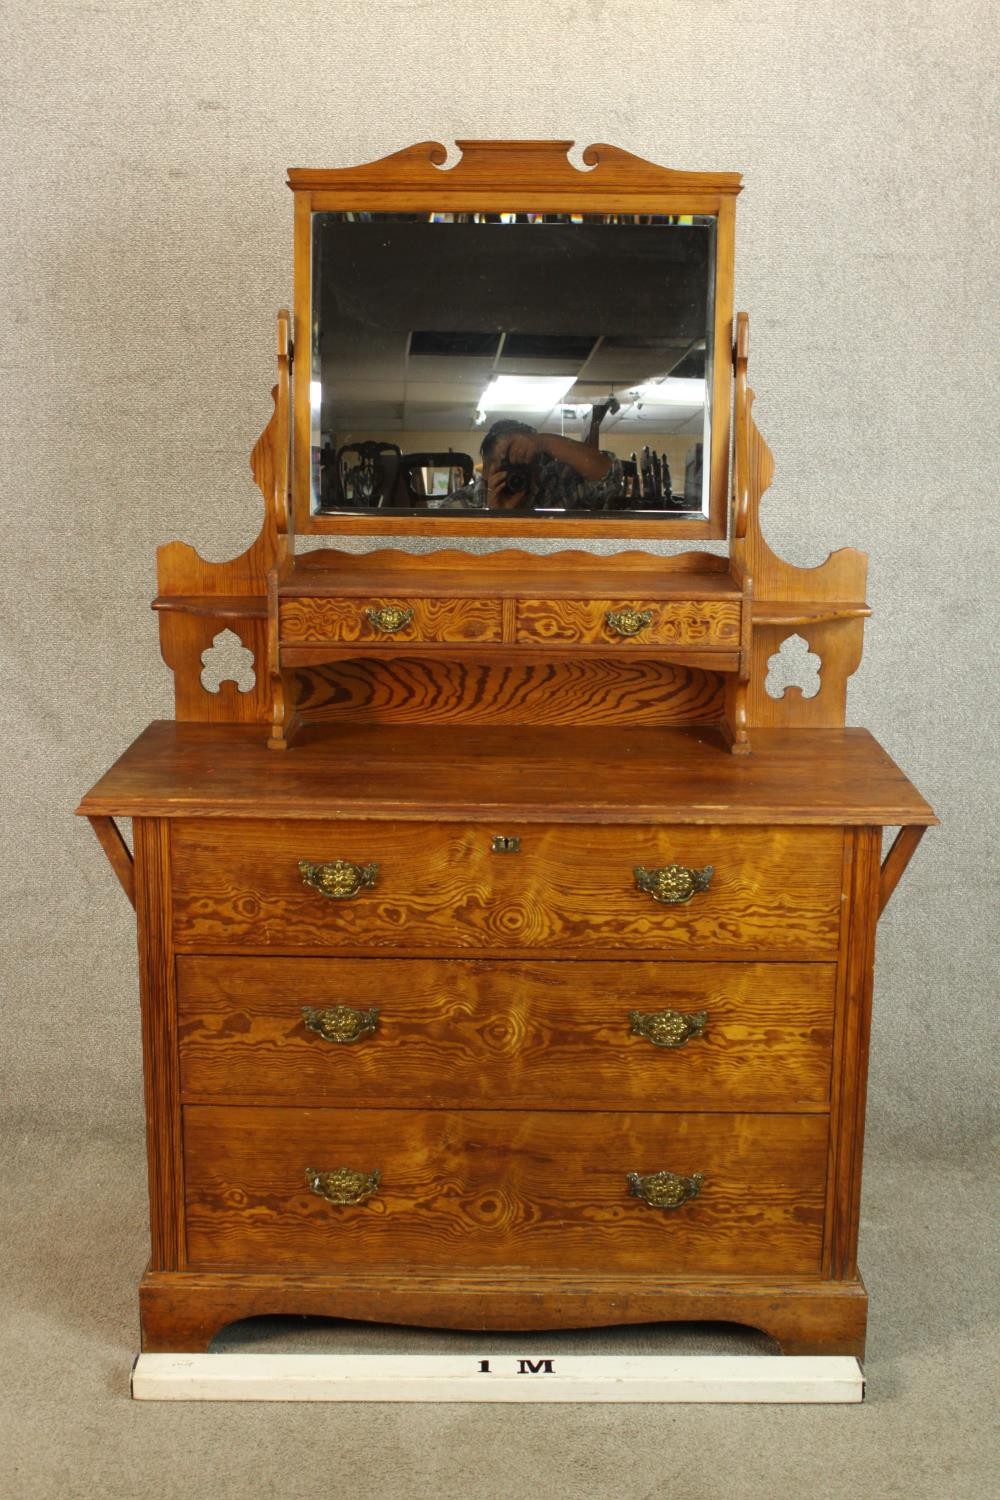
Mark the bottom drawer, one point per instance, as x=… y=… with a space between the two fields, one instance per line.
x=479 y=1189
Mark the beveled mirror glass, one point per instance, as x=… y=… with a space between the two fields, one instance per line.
x=584 y=305
x=548 y=365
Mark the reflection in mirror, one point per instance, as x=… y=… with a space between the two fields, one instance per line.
x=553 y=365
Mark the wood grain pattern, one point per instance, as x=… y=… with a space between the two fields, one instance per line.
x=775 y=892
x=598 y=774
x=851 y=1048
x=804 y=1315
x=496 y=1189
x=158 y=1002
x=838 y=644
x=218 y=606
x=515 y=1035
x=580 y=691
x=509 y=573
x=345 y=620
x=534 y=165
x=485 y=665
x=691 y=623
x=705 y=658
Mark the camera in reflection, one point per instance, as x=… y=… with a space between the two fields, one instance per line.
x=518 y=479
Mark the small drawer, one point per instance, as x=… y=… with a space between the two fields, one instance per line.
x=481 y=1188
x=687 y=623
x=306 y=621
x=424 y=1033
x=724 y=892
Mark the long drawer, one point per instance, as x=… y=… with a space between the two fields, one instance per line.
x=427 y=1033
x=769 y=892
x=481 y=1189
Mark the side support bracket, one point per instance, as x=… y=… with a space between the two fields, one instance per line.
x=119 y=854
x=904 y=846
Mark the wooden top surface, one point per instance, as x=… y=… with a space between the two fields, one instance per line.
x=428 y=772
x=509 y=574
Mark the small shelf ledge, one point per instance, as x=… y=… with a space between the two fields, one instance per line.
x=796 y=612
x=510 y=574
x=216 y=606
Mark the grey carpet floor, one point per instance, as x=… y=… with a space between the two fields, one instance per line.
x=73 y=1237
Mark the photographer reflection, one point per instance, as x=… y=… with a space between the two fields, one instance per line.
x=524 y=469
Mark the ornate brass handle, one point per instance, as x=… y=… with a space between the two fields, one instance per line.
x=672 y=884
x=343 y=1185
x=340 y=1023
x=628 y=621
x=338 y=879
x=668 y=1028
x=389 y=617
x=664 y=1189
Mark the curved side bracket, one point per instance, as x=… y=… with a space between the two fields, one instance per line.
x=198 y=598
x=119 y=854
x=824 y=605
x=894 y=865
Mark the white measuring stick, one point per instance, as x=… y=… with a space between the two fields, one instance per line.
x=497 y=1377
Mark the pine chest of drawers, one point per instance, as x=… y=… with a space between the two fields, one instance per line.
x=519 y=1030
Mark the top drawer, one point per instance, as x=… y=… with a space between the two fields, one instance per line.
x=440 y=887
x=687 y=623
x=348 y=621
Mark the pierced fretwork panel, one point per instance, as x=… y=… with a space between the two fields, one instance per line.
x=228 y=660
x=793 y=665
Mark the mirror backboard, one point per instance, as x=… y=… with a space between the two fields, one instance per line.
x=513 y=344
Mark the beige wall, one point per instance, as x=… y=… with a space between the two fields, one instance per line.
x=147 y=244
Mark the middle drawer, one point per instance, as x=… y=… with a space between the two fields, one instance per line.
x=427 y=1033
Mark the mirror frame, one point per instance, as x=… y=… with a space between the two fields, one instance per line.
x=515 y=177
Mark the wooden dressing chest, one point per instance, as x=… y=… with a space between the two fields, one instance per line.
x=506 y=948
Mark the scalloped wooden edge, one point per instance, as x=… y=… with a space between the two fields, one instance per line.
x=510 y=558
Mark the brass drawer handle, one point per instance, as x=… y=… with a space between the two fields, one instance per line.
x=664 y=1189
x=628 y=621
x=338 y=879
x=340 y=1023
x=668 y=1028
x=389 y=617
x=672 y=884
x=343 y=1185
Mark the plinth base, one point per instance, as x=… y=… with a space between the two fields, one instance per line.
x=182 y=1311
